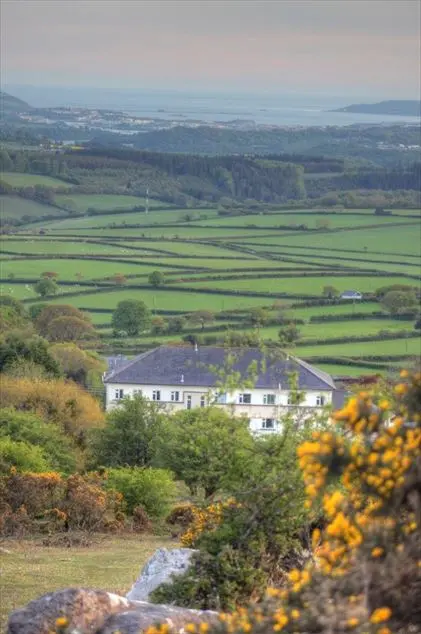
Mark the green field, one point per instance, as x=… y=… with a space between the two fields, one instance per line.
x=17 y=208
x=16 y=179
x=165 y=300
x=402 y=239
x=57 y=247
x=301 y=285
x=68 y=269
x=312 y=220
x=82 y=202
x=362 y=349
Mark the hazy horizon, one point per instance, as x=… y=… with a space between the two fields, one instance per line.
x=354 y=48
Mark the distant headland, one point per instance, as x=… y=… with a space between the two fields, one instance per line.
x=404 y=108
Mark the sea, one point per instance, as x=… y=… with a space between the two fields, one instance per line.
x=280 y=109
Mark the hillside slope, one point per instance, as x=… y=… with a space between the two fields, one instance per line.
x=404 y=108
x=10 y=105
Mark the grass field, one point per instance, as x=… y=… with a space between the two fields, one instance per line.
x=402 y=239
x=312 y=220
x=30 y=569
x=26 y=180
x=82 y=202
x=17 y=208
x=57 y=247
x=166 y=300
x=301 y=285
x=171 y=215
x=362 y=349
x=68 y=269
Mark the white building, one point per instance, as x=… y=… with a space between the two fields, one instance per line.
x=186 y=377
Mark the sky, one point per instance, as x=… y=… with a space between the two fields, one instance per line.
x=365 y=47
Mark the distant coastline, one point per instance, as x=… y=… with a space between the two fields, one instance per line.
x=403 y=108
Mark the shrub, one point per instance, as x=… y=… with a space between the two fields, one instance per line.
x=153 y=489
x=60 y=402
x=21 y=455
x=181 y=514
x=58 y=449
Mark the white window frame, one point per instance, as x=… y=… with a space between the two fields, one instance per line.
x=202 y=401
x=269 y=423
x=188 y=401
x=269 y=399
x=241 y=398
x=320 y=400
x=156 y=395
x=118 y=393
x=175 y=396
x=290 y=399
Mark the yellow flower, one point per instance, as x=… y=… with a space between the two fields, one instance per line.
x=353 y=622
x=204 y=628
x=190 y=627
x=62 y=621
x=380 y=615
x=377 y=552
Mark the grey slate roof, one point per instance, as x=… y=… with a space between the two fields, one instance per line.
x=171 y=365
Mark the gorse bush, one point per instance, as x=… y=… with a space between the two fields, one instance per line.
x=153 y=489
x=365 y=574
x=60 y=451
x=63 y=403
x=22 y=455
x=48 y=502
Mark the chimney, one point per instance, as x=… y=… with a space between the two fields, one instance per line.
x=182 y=378
x=196 y=349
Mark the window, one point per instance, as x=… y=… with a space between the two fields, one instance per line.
x=269 y=399
x=119 y=393
x=202 y=401
x=188 y=405
x=268 y=423
x=156 y=395
x=245 y=399
x=290 y=399
x=320 y=400
x=175 y=396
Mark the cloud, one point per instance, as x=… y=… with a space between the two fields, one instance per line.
x=372 y=43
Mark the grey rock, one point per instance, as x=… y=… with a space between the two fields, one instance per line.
x=147 y=614
x=98 y=612
x=86 y=611
x=160 y=568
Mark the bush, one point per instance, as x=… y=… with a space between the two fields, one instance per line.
x=59 y=450
x=61 y=402
x=181 y=514
x=22 y=456
x=153 y=489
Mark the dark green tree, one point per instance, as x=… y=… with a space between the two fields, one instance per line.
x=129 y=434
x=46 y=286
x=35 y=349
x=131 y=316
x=156 y=278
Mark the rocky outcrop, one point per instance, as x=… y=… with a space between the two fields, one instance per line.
x=159 y=569
x=97 y=612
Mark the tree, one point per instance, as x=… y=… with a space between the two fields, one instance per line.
x=289 y=334
x=400 y=301
x=259 y=316
x=156 y=278
x=68 y=328
x=35 y=309
x=131 y=316
x=330 y=292
x=129 y=434
x=159 y=325
x=176 y=324
x=119 y=279
x=49 y=274
x=201 y=317
x=6 y=163
x=201 y=446
x=46 y=286
x=77 y=364
x=34 y=349
x=50 y=312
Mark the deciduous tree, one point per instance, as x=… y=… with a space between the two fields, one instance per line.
x=131 y=316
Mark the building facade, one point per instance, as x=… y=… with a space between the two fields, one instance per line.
x=187 y=377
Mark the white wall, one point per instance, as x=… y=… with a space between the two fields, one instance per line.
x=256 y=411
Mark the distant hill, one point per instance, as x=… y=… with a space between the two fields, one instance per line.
x=408 y=108
x=10 y=105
